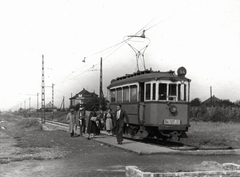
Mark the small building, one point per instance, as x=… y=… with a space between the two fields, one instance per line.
x=82 y=97
x=31 y=110
x=50 y=107
x=211 y=101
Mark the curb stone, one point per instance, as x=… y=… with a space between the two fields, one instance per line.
x=229 y=170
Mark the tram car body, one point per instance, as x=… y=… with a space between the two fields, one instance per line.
x=157 y=103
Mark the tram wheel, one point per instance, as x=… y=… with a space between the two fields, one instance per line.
x=164 y=138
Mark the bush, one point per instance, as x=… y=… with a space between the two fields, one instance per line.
x=215 y=114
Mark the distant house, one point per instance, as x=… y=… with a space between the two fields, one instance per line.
x=32 y=110
x=50 y=108
x=211 y=101
x=82 y=97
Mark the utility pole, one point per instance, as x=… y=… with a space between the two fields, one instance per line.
x=211 y=95
x=29 y=102
x=30 y=98
x=29 y=107
x=37 y=103
x=62 y=105
x=43 y=92
x=100 y=85
x=100 y=89
x=52 y=100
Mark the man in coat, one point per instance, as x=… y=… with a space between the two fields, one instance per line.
x=71 y=119
x=118 y=122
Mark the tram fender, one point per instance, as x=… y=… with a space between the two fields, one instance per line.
x=183 y=135
x=141 y=133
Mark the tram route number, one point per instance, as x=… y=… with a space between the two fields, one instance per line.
x=172 y=121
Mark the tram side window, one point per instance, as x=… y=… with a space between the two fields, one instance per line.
x=119 y=95
x=162 y=91
x=172 y=92
x=148 y=91
x=133 y=93
x=113 y=96
x=125 y=94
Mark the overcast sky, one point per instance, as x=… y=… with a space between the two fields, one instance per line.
x=203 y=36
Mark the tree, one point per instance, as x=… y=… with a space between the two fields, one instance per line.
x=95 y=104
x=237 y=103
x=195 y=102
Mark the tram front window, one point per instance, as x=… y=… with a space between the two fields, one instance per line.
x=182 y=95
x=172 y=92
x=148 y=91
x=162 y=91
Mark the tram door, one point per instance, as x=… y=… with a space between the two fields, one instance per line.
x=141 y=109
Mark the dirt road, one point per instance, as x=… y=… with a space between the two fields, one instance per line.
x=55 y=153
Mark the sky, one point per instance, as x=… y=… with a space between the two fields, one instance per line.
x=201 y=35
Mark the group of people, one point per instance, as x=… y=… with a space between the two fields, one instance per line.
x=114 y=123
x=76 y=119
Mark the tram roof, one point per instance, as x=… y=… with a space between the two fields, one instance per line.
x=147 y=75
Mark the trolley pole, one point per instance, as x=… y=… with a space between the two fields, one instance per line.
x=43 y=92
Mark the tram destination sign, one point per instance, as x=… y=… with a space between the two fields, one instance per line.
x=172 y=121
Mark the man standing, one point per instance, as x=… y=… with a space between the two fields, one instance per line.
x=82 y=120
x=71 y=119
x=118 y=122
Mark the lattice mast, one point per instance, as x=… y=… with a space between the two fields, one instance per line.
x=43 y=92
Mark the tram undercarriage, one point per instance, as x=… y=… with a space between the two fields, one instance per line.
x=141 y=132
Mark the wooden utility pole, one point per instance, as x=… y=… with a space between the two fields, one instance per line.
x=100 y=89
x=211 y=95
x=62 y=105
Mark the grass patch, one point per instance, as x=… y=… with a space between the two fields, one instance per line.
x=32 y=124
x=213 y=134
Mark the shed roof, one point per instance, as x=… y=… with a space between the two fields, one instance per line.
x=84 y=93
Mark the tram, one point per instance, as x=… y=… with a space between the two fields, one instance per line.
x=156 y=102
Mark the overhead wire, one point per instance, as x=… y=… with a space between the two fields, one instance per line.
x=169 y=16
x=120 y=44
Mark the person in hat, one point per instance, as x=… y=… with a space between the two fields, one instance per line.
x=81 y=118
x=71 y=119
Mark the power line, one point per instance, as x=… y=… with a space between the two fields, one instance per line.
x=169 y=17
x=119 y=44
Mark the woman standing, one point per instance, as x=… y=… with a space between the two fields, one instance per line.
x=92 y=127
x=109 y=124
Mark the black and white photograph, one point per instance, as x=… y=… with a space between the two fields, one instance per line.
x=110 y=88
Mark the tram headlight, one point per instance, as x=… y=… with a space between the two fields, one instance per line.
x=173 y=109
